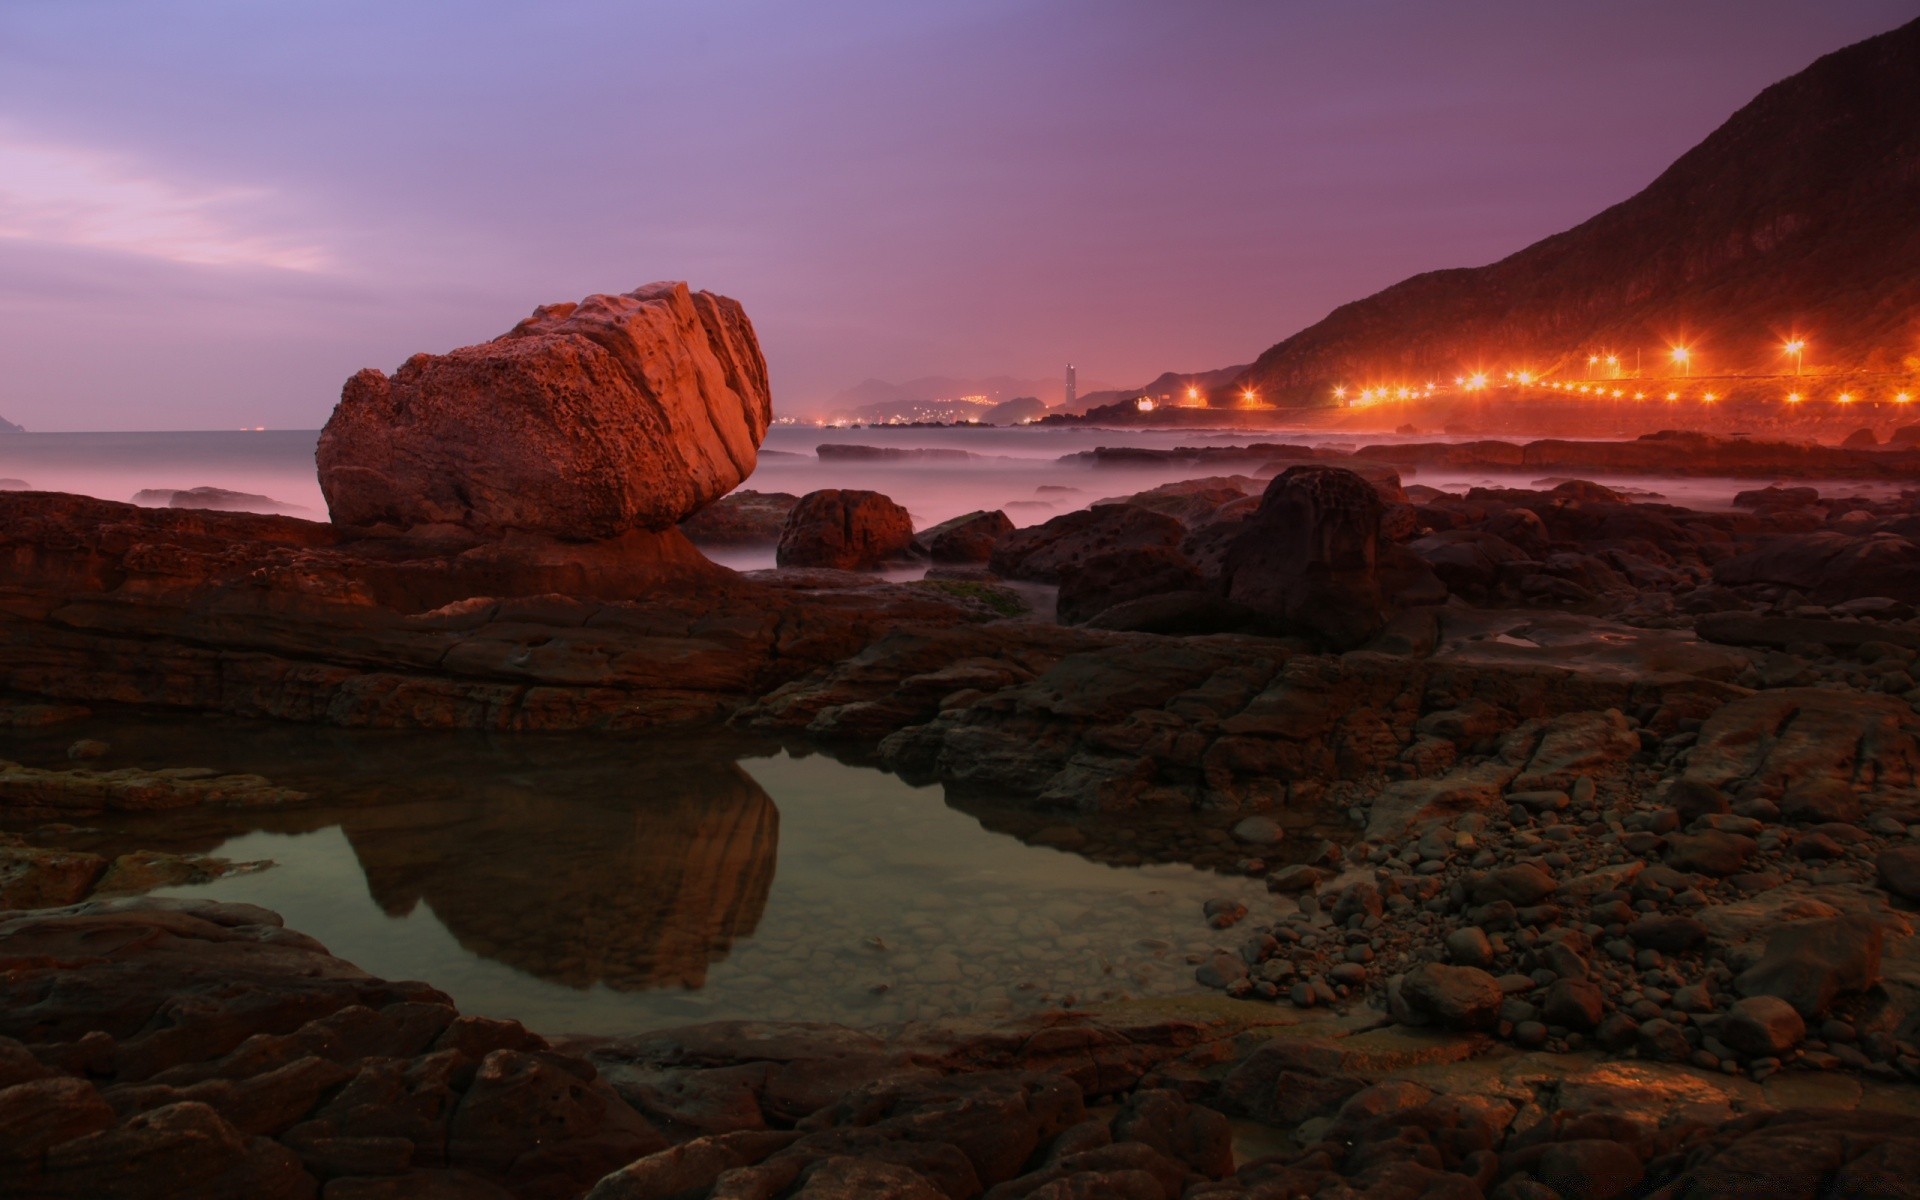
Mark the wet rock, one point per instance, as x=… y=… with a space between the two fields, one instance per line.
x=1669 y=934
x=585 y=421
x=844 y=530
x=148 y=870
x=1764 y=744
x=1051 y=552
x=35 y=877
x=1452 y=997
x=43 y=1113
x=1469 y=947
x=1259 y=831
x=1308 y=555
x=1762 y=1027
x=1589 y=1169
x=31 y=791
x=968 y=538
x=87 y=749
x=1576 y=745
x=1811 y=963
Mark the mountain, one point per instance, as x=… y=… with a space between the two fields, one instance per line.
x=1796 y=217
x=878 y=399
x=1171 y=387
x=7 y=426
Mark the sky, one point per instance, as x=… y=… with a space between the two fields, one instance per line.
x=212 y=212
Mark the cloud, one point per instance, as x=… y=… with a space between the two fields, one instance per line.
x=74 y=196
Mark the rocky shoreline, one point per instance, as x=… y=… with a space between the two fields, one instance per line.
x=194 y=1048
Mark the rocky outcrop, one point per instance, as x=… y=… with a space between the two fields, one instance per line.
x=1307 y=557
x=1668 y=453
x=587 y=420
x=213 y=497
x=845 y=531
x=1805 y=192
x=269 y=616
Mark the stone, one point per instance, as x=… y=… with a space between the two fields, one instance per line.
x=1521 y=885
x=691 y=1166
x=1762 y=1027
x=1668 y=934
x=42 y=1113
x=1189 y=1133
x=1899 y=871
x=1589 y=1169
x=844 y=530
x=968 y=538
x=742 y=517
x=1115 y=577
x=1809 y=964
x=1710 y=852
x=1259 y=831
x=620 y=412
x=1050 y=552
x=1469 y=946
x=35 y=877
x=1307 y=559
x=1452 y=997
x=1577 y=1004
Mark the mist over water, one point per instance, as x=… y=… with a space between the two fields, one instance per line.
x=1024 y=471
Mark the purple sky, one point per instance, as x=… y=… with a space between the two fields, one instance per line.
x=212 y=212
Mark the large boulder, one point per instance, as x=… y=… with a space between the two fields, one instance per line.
x=1307 y=558
x=1122 y=575
x=584 y=421
x=847 y=530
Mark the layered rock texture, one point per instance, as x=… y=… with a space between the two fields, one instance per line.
x=588 y=420
x=1799 y=208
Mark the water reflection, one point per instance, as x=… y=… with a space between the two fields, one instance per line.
x=643 y=888
x=613 y=885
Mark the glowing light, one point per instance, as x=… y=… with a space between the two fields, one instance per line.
x=1673 y=395
x=1459 y=380
x=1406 y=393
x=1795 y=346
x=1793 y=397
x=1709 y=397
x=1249 y=396
x=1477 y=381
x=1593 y=360
x=1193 y=393
x=1144 y=404
x=1525 y=377
x=1339 y=393
x=1901 y=398
x=1617 y=393
x=1846 y=397
x=1636 y=395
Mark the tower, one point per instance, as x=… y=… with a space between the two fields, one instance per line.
x=1072 y=387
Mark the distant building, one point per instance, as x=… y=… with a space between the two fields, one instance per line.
x=1073 y=389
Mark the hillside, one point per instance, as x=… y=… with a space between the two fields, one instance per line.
x=7 y=426
x=1796 y=215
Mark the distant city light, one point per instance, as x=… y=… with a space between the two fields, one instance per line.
x=1683 y=358
x=1846 y=397
x=1901 y=397
x=1793 y=397
x=1673 y=395
x=1709 y=397
x=1144 y=404
x=1795 y=347
x=1339 y=393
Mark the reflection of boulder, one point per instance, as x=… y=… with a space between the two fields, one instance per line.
x=638 y=892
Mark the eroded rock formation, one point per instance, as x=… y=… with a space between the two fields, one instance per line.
x=589 y=420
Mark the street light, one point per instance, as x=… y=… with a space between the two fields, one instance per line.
x=1795 y=347
x=1683 y=358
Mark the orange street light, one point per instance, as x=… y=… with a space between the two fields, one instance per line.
x=1683 y=358
x=1846 y=397
x=1793 y=397
x=1901 y=397
x=1795 y=347
x=1339 y=393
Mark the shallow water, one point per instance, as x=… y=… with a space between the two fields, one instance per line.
x=609 y=886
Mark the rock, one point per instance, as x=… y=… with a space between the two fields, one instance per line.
x=1521 y=885
x=1187 y=1133
x=42 y=1113
x=30 y=791
x=1899 y=871
x=1452 y=997
x=1762 y=1027
x=1829 y=566
x=1818 y=801
x=1662 y=1041
x=1221 y=969
x=1308 y=555
x=1578 y=1004
x=1575 y=745
x=1259 y=831
x=1710 y=852
x=33 y=877
x=968 y=538
x=146 y=870
x=1589 y=1169
x=1049 y=553
x=690 y=1166
x=844 y=530
x=1117 y=576
x=1469 y=946
x=1668 y=934
x=1811 y=963
x=585 y=421
x=741 y=518
x=87 y=749
x=219 y=499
